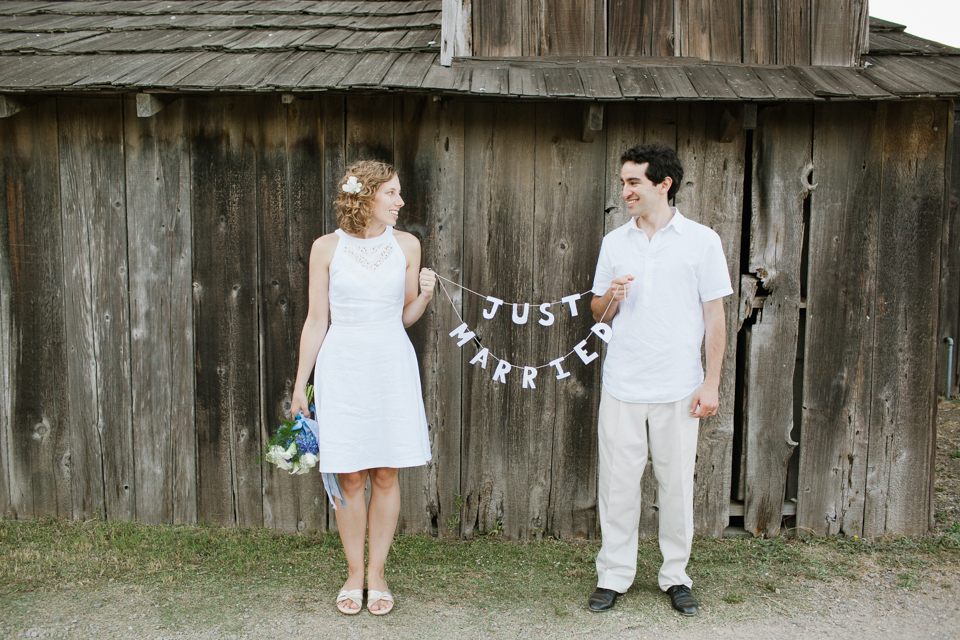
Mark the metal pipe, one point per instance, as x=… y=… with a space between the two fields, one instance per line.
x=949 y=342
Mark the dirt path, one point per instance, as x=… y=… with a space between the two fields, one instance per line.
x=870 y=607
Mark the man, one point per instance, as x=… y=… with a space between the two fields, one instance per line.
x=661 y=278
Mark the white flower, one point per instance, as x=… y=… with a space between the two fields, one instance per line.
x=352 y=186
x=278 y=455
x=306 y=462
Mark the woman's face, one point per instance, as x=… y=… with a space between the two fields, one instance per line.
x=386 y=203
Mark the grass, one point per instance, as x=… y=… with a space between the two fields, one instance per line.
x=197 y=564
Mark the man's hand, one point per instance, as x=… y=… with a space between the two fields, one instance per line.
x=705 y=401
x=620 y=287
x=605 y=307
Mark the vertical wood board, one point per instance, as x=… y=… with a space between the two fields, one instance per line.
x=841 y=289
x=640 y=28
x=226 y=345
x=572 y=27
x=93 y=201
x=902 y=430
x=157 y=156
x=498 y=28
x=782 y=148
x=568 y=229
x=837 y=31
x=760 y=31
x=289 y=205
x=496 y=485
x=34 y=436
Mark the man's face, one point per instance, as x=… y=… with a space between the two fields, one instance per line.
x=641 y=194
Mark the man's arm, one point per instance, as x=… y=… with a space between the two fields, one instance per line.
x=605 y=307
x=707 y=398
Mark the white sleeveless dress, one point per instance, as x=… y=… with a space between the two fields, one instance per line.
x=367 y=382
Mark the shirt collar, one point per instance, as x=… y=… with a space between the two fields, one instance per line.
x=676 y=222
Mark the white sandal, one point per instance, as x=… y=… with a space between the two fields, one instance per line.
x=355 y=596
x=374 y=597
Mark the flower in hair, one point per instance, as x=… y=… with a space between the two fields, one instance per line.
x=352 y=186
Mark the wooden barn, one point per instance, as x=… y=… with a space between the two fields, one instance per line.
x=166 y=166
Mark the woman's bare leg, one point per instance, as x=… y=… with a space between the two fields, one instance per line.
x=352 y=522
x=383 y=513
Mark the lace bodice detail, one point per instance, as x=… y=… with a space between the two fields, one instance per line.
x=367 y=279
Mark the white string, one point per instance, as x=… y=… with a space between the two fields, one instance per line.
x=457 y=284
x=440 y=279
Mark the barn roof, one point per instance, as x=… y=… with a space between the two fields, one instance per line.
x=301 y=45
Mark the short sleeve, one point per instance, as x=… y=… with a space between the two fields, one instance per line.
x=714 y=279
x=604 y=273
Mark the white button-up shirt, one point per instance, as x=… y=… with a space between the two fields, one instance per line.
x=654 y=355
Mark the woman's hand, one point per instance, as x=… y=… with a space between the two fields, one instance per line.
x=428 y=280
x=299 y=403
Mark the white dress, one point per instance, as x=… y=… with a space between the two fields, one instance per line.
x=367 y=382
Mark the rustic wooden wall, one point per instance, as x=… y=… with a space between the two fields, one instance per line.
x=153 y=287
x=784 y=32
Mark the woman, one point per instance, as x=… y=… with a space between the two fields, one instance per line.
x=366 y=380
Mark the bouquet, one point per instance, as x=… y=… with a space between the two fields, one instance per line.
x=294 y=448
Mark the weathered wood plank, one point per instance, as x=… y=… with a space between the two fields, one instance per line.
x=640 y=28
x=573 y=27
x=709 y=30
x=369 y=127
x=709 y=83
x=159 y=234
x=429 y=160
x=225 y=272
x=456 y=39
x=498 y=483
x=760 y=31
x=712 y=194
x=783 y=84
x=289 y=195
x=673 y=83
x=782 y=148
x=902 y=417
x=837 y=32
x=568 y=230
x=793 y=32
x=841 y=288
x=332 y=131
x=34 y=418
x=600 y=82
x=636 y=82
x=498 y=28
x=97 y=308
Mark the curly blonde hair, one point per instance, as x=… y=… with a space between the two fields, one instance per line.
x=354 y=210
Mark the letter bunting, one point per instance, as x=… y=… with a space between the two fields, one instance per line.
x=520 y=314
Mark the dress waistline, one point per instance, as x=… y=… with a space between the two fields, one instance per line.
x=368 y=325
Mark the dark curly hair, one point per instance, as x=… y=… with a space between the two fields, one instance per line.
x=662 y=162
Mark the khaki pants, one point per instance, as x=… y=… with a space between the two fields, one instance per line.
x=625 y=429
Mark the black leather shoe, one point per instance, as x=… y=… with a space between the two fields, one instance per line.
x=603 y=599
x=682 y=599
